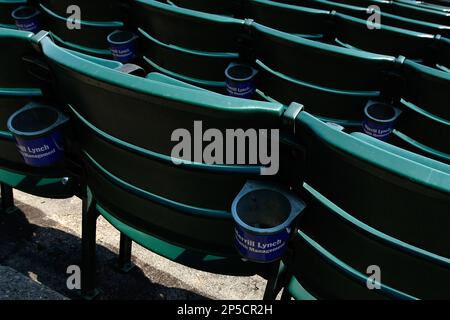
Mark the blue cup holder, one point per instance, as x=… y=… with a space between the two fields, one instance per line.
x=379 y=119
x=240 y=80
x=263 y=214
x=122 y=44
x=38 y=132
x=27 y=18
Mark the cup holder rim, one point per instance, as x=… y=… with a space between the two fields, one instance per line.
x=296 y=205
x=233 y=65
x=395 y=110
x=60 y=119
x=34 y=14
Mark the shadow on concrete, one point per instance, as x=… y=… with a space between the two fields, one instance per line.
x=44 y=253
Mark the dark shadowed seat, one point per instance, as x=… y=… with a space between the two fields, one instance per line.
x=424 y=125
x=90 y=38
x=98 y=10
x=17 y=88
x=359 y=10
x=186 y=28
x=375 y=177
x=223 y=7
x=385 y=40
x=302 y=21
x=319 y=63
x=369 y=204
x=202 y=68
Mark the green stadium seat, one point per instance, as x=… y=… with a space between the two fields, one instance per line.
x=17 y=88
x=424 y=14
x=293 y=287
x=403 y=153
x=443 y=54
x=302 y=21
x=360 y=11
x=339 y=106
x=316 y=273
x=405 y=10
x=441 y=3
x=349 y=226
x=134 y=183
x=427 y=88
x=216 y=86
x=404 y=141
x=223 y=7
x=319 y=63
x=14 y=70
x=423 y=132
x=423 y=4
x=186 y=28
x=156 y=76
x=98 y=10
x=207 y=67
x=346 y=244
x=424 y=124
x=394 y=194
x=386 y=40
x=90 y=38
x=368 y=202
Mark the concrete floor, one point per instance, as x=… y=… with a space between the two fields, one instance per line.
x=42 y=239
x=16 y=286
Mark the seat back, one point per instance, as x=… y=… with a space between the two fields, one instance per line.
x=98 y=10
x=404 y=10
x=223 y=7
x=352 y=223
x=307 y=22
x=427 y=88
x=129 y=166
x=440 y=7
x=186 y=28
x=339 y=106
x=17 y=88
x=319 y=63
x=422 y=132
x=409 y=11
x=317 y=273
x=441 y=3
x=358 y=10
x=208 y=67
x=424 y=123
x=388 y=19
x=337 y=245
x=15 y=46
x=443 y=53
x=426 y=161
x=90 y=38
x=386 y=40
x=397 y=196
x=364 y=3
